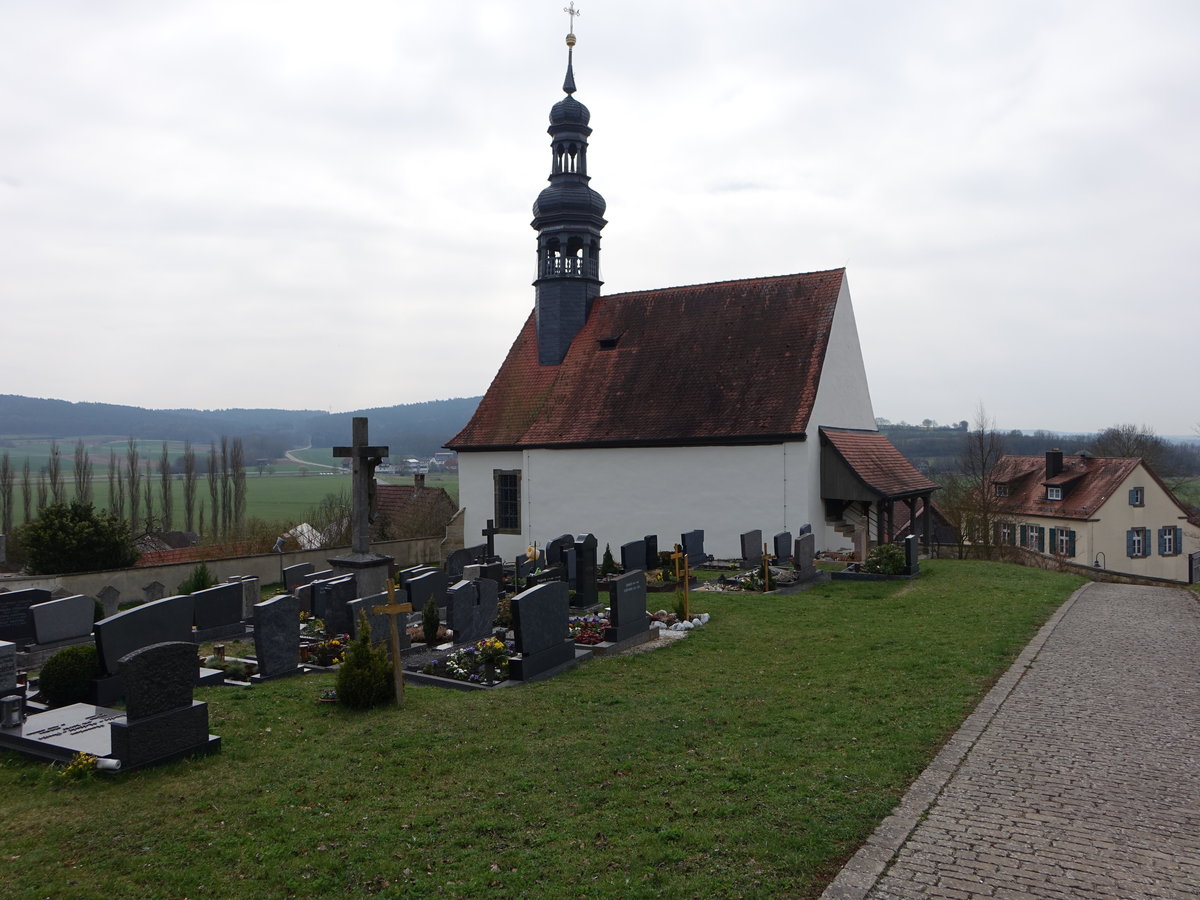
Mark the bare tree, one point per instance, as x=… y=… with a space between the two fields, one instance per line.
x=189 y=486
x=6 y=494
x=54 y=471
x=133 y=477
x=27 y=491
x=83 y=473
x=237 y=465
x=168 y=499
x=43 y=491
x=148 y=496
x=116 y=486
x=968 y=498
x=226 y=489
x=214 y=492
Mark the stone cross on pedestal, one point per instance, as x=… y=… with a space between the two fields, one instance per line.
x=364 y=459
x=392 y=609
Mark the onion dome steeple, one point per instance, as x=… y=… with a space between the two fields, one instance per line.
x=568 y=217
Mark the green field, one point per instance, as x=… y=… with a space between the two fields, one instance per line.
x=749 y=760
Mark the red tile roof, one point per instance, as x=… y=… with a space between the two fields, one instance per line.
x=1087 y=482
x=877 y=463
x=404 y=511
x=730 y=362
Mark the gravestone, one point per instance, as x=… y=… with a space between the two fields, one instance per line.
x=912 y=554
x=556 y=548
x=752 y=547
x=693 y=546
x=627 y=607
x=277 y=637
x=571 y=564
x=432 y=584
x=546 y=575
x=323 y=575
x=804 y=556
x=459 y=560
x=492 y=570
x=404 y=576
x=166 y=620
x=110 y=599
x=783 y=546
x=161 y=721
x=806 y=528
x=218 y=612
x=471 y=609
x=16 y=623
x=155 y=590
x=338 y=592
x=527 y=566
x=633 y=556
x=304 y=593
x=587 y=592
x=250 y=593
x=540 y=625
x=378 y=622
x=293 y=576
x=8 y=668
x=652 y=560
x=67 y=619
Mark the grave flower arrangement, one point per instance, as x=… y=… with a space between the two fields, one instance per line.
x=484 y=662
x=328 y=652
x=587 y=629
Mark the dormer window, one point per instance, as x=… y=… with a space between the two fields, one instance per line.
x=1001 y=489
x=1053 y=493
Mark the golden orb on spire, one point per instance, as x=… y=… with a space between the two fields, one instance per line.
x=572 y=12
x=571 y=40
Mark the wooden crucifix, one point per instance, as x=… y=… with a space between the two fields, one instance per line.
x=682 y=573
x=392 y=609
x=363 y=460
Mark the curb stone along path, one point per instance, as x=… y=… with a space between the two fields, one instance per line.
x=1078 y=775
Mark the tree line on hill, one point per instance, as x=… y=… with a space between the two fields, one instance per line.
x=413 y=429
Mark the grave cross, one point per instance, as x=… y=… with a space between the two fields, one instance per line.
x=363 y=460
x=680 y=559
x=490 y=533
x=391 y=609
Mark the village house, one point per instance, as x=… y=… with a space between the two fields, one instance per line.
x=1107 y=512
x=729 y=407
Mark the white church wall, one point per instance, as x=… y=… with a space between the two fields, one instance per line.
x=843 y=396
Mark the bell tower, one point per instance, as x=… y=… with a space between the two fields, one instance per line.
x=568 y=217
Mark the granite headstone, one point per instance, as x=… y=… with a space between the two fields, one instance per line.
x=166 y=620
x=63 y=620
x=627 y=606
x=783 y=546
x=633 y=556
x=277 y=636
x=16 y=623
x=540 y=626
x=587 y=592
x=693 y=546
x=293 y=576
x=752 y=547
x=471 y=609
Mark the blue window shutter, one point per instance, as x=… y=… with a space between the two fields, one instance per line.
x=1071 y=543
x=1133 y=497
x=1178 y=539
x=1129 y=543
x=1041 y=534
x=1053 y=540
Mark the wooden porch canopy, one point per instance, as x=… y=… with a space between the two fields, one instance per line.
x=862 y=467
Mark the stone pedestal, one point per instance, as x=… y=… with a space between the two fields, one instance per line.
x=370 y=570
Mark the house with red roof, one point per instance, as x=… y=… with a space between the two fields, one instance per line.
x=1112 y=513
x=727 y=407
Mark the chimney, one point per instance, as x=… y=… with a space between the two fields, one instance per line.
x=419 y=480
x=1054 y=462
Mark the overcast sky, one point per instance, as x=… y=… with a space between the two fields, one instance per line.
x=326 y=205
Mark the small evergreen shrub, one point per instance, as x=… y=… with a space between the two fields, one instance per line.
x=885 y=559
x=430 y=622
x=608 y=566
x=66 y=675
x=365 y=676
x=199 y=580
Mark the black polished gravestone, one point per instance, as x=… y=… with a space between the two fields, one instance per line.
x=167 y=620
x=587 y=592
x=461 y=558
x=545 y=576
x=16 y=623
x=293 y=576
x=423 y=588
x=633 y=556
x=627 y=607
x=540 y=625
x=404 y=576
x=162 y=721
x=277 y=638
x=218 y=612
x=693 y=546
x=783 y=546
x=912 y=555
x=804 y=556
x=63 y=621
x=471 y=609
x=329 y=599
x=377 y=622
x=556 y=548
x=752 y=547
x=8 y=668
x=652 y=560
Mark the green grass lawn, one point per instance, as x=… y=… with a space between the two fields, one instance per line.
x=748 y=760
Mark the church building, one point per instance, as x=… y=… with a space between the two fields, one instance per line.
x=726 y=407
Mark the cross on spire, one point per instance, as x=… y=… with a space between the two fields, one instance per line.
x=572 y=12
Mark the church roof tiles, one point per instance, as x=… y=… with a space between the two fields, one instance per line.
x=723 y=363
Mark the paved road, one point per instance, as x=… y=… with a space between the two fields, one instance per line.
x=1078 y=776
